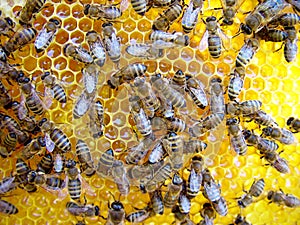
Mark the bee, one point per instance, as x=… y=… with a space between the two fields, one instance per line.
x=168 y=92
x=211 y=190
x=280 y=198
x=53 y=88
x=29 y=9
x=96 y=120
x=46 y=35
x=5 y=98
x=174 y=189
x=196 y=90
x=190 y=15
x=8 y=208
x=262 y=144
x=6 y=25
x=229 y=10
x=285 y=20
x=141 y=50
x=179 y=78
x=244 y=108
x=46 y=164
x=161 y=3
x=163 y=40
x=10 y=141
x=34 y=177
x=237 y=139
x=247 y=52
x=7 y=184
x=261 y=15
x=146 y=95
x=278 y=163
x=54 y=137
x=194 y=146
x=127 y=74
x=157 y=203
x=96 y=47
x=55 y=183
x=217 y=102
x=282 y=135
x=290 y=48
x=213 y=38
x=83 y=104
x=183 y=218
x=105 y=163
x=138 y=152
x=255 y=190
x=157 y=153
x=195 y=177
x=33 y=148
x=9 y=72
x=221 y=206
x=102 y=11
x=174 y=146
x=236 y=83
x=90 y=78
x=119 y=176
x=138 y=216
x=74 y=181
x=262 y=118
x=111 y=42
x=208 y=123
x=58 y=163
x=85 y=158
x=140 y=118
x=208 y=214
x=82 y=210
x=184 y=202
x=294 y=124
x=116 y=213
x=240 y=220
x=19 y=39
x=32 y=100
x=175 y=124
x=271 y=34
x=22 y=170
x=295 y=4
x=140 y=6
x=78 y=53
x=168 y=16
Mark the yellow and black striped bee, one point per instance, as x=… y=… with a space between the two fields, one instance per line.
x=157 y=204
x=119 y=175
x=140 y=6
x=111 y=42
x=105 y=163
x=290 y=49
x=74 y=180
x=96 y=124
x=237 y=139
x=280 y=198
x=9 y=142
x=6 y=25
x=96 y=47
x=30 y=8
x=85 y=158
x=236 y=83
x=174 y=189
x=230 y=8
x=217 y=101
x=102 y=11
x=46 y=164
x=5 y=98
x=272 y=34
x=164 y=40
x=208 y=214
x=190 y=15
x=22 y=170
x=144 y=50
x=78 y=53
x=245 y=108
x=138 y=216
x=195 y=177
x=195 y=89
x=247 y=52
x=174 y=147
x=294 y=124
x=285 y=20
x=240 y=220
x=194 y=146
x=8 y=208
x=33 y=148
x=46 y=35
x=282 y=135
x=262 y=118
x=278 y=163
x=9 y=72
x=85 y=210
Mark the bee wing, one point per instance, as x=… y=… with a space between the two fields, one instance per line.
x=86 y=187
x=84 y=55
x=204 y=41
x=90 y=82
x=124 y=5
x=43 y=38
x=226 y=41
x=200 y=95
x=160 y=44
x=48 y=97
x=83 y=103
x=49 y=143
x=22 y=110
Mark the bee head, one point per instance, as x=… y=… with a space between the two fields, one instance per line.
x=210 y=18
x=227 y=22
x=246 y=29
x=267 y=131
x=117 y=206
x=270 y=195
x=70 y=163
x=97 y=211
x=55 y=21
x=186 y=40
x=44 y=120
x=246 y=133
x=10 y=22
x=41 y=141
x=107 y=24
x=177 y=180
x=289 y=121
x=46 y=74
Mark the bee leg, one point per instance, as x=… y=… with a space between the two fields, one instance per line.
x=279 y=48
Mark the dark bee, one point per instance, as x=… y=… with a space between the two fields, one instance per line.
x=184 y=201
x=280 y=164
x=217 y=102
x=78 y=53
x=190 y=16
x=176 y=124
x=85 y=158
x=196 y=90
x=111 y=42
x=237 y=139
x=195 y=177
x=280 y=198
x=6 y=25
x=179 y=78
x=102 y=11
x=46 y=35
x=285 y=20
x=82 y=210
x=10 y=141
x=271 y=34
x=157 y=204
x=74 y=181
x=105 y=163
x=138 y=153
x=33 y=148
x=96 y=120
x=208 y=214
x=116 y=213
x=174 y=147
x=5 y=98
x=30 y=8
x=280 y=134
x=194 y=146
x=244 y=108
x=294 y=124
x=174 y=189
x=96 y=47
x=46 y=164
x=230 y=8
x=7 y=208
x=247 y=52
x=236 y=83
x=290 y=48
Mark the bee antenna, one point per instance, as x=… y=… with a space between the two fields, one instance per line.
x=238 y=33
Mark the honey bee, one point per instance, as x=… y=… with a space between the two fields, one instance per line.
x=236 y=83
x=46 y=164
x=271 y=34
x=96 y=47
x=141 y=50
x=138 y=152
x=83 y=104
x=285 y=20
x=166 y=19
x=140 y=118
x=90 y=78
x=138 y=216
x=168 y=92
x=208 y=123
x=9 y=142
x=237 y=139
x=195 y=177
x=58 y=163
x=230 y=8
x=6 y=25
x=184 y=202
x=190 y=15
x=262 y=118
x=194 y=146
x=161 y=3
x=261 y=15
x=5 y=98
x=105 y=163
x=163 y=40
x=127 y=74
x=7 y=184
x=255 y=190
x=54 y=183
x=3 y=56
x=135 y=173
x=175 y=124
x=211 y=190
x=46 y=35
x=32 y=100
x=182 y=218
x=54 y=137
x=36 y=177
x=74 y=181
x=280 y=198
x=290 y=48
x=196 y=90
x=262 y=144
x=174 y=146
x=8 y=208
x=146 y=95
x=217 y=102
x=174 y=189
x=157 y=153
x=78 y=53
x=208 y=214
x=294 y=124
x=53 y=87
x=120 y=178
x=157 y=203
x=179 y=78
x=102 y=11
x=213 y=38
x=244 y=108
x=33 y=148
x=83 y=210
x=278 y=163
x=282 y=135
x=19 y=39
x=96 y=120
x=140 y=6
x=111 y=42
x=9 y=72
x=247 y=52
x=116 y=213
x=240 y=220
x=22 y=170
x=85 y=158
x=29 y=9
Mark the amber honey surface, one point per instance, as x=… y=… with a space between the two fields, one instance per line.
x=268 y=78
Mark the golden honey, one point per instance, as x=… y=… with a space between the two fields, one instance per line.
x=268 y=78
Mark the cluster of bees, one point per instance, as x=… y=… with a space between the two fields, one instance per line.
x=168 y=144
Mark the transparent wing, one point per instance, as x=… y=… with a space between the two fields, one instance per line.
x=49 y=143
x=226 y=41
x=204 y=42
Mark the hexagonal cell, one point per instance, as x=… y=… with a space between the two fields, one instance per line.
x=129 y=26
x=144 y=25
x=53 y=50
x=77 y=11
x=179 y=64
x=45 y=63
x=187 y=54
x=48 y=10
x=208 y=68
x=223 y=69
x=63 y=11
x=194 y=68
x=111 y=132
x=30 y=63
x=119 y=119
x=281 y=71
x=77 y=37
x=85 y=25
x=118 y=146
x=75 y=65
x=266 y=71
x=151 y=66
x=258 y=84
x=165 y=66
x=251 y=95
x=172 y=53
x=62 y=36
x=124 y=37
x=70 y=24
x=136 y=36
x=39 y=22
x=60 y=63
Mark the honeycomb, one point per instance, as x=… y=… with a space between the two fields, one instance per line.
x=268 y=78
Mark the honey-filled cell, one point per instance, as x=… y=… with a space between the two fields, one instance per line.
x=63 y=11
